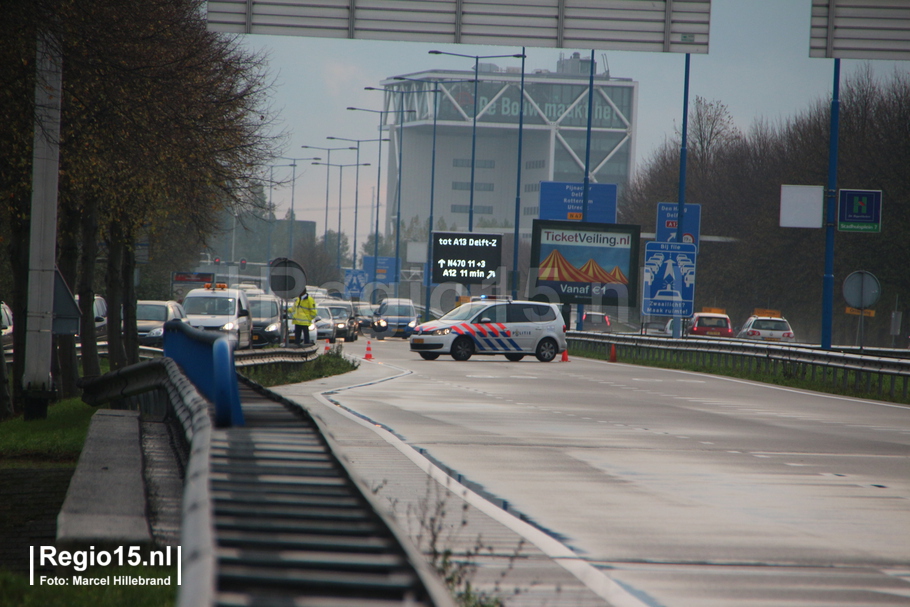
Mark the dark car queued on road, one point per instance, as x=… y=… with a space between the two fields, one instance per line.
x=395 y=318
x=346 y=325
x=150 y=318
x=364 y=311
x=267 y=320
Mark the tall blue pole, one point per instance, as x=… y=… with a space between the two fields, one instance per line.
x=429 y=271
x=831 y=213
x=473 y=151
x=587 y=179
x=340 y=180
x=521 y=121
x=378 y=180
x=681 y=196
x=398 y=204
x=580 y=310
x=356 y=200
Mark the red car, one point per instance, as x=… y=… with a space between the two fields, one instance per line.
x=710 y=325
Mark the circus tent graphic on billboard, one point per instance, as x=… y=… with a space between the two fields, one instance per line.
x=596 y=273
x=556 y=267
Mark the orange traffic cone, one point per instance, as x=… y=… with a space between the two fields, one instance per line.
x=565 y=355
x=369 y=354
x=612 y=353
x=327 y=348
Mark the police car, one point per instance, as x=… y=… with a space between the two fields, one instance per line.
x=513 y=328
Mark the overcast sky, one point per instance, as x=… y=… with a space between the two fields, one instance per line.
x=758 y=65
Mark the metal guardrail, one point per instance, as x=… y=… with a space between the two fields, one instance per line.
x=270 y=514
x=868 y=374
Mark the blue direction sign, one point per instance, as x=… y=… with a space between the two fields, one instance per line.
x=859 y=211
x=562 y=201
x=384 y=271
x=354 y=282
x=669 y=279
x=667 y=221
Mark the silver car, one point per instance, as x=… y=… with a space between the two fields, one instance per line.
x=766 y=328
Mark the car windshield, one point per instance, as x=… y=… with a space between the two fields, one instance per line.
x=218 y=306
x=708 y=321
x=771 y=325
x=465 y=311
x=340 y=311
x=397 y=310
x=154 y=312
x=260 y=308
x=324 y=313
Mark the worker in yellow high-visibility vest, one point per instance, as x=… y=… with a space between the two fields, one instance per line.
x=302 y=313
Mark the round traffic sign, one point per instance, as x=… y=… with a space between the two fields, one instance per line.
x=286 y=278
x=862 y=289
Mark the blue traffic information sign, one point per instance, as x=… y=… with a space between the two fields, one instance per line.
x=668 y=220
x=669 y=279
x=562 y=201
x=859 y=211
x=354 y=282
x=382 y=272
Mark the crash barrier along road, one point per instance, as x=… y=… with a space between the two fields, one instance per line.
x=268 y=510
x=885 y=372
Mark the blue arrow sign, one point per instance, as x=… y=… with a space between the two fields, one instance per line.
x=667 y=218
x=668 y=284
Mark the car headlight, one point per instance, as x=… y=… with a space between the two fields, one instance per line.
x=272 y=328
x=340 y=325
x=229 y=326
x=156 y=332
x=381 y=323
x=413 y=323
x=445 y=331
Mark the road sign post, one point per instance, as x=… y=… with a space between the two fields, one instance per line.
x=859 y=211
x=667 y=225
x=466 y=258
x=668 y=286
x=563 y=201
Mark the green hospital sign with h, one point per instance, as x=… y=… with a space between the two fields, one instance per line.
x=859 y=211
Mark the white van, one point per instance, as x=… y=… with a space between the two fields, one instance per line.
x=218 y=308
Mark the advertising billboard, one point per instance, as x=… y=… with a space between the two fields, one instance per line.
x=585 y=263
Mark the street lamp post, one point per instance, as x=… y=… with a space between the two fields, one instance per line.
x=476 y=59
x=328 y=159
x=341 y=168
x=268 y=244
x=429 y=268
x=356 y=186
x=291 y=219
x=381 y=113
x=400 y=125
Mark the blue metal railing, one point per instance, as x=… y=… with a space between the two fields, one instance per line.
x=207 y=359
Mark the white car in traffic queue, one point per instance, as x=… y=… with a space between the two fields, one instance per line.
x=513 y=328
x=218 y=308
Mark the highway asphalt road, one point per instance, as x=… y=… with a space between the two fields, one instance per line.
x=686 y=489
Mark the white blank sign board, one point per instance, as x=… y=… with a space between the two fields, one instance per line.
x=801 y=206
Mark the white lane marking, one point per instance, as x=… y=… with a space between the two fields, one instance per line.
x=596 y=580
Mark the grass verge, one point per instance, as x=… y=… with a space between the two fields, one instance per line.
x=17 y=592
x=790 y=375
x=57 y=439
x=326 y=365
